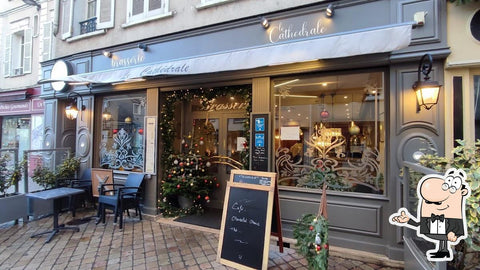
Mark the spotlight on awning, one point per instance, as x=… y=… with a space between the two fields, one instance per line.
x=330 y=10
x=264 y=22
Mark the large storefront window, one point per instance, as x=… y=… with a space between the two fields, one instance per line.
x=16 y=132
x=122 y=132
x=331 y=129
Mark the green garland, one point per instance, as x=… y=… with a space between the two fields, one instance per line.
x=311 y=233
x=169 y=187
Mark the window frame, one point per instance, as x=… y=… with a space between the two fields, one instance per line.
x=473 y=73
x=106 y=127
x=212 y=3
x=23 y=54
x=147 y=15
x=87 y=10
x=381 y=149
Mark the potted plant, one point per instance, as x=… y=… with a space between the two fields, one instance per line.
x=14 y=205
x=311 y=233
x=47 y=179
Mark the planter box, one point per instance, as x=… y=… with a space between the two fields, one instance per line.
x=13 y=207
x=415 y=258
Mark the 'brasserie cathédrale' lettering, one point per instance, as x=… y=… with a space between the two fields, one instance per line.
x=282 y=32
x=129 y=61
x=165 y=69
x=225 y=106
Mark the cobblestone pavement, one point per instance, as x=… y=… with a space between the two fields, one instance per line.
x=146 y=244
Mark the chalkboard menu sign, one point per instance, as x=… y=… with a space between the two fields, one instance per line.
x=247 y=217
x=261 y=140
x=252 y=179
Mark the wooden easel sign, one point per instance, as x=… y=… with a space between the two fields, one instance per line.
x=246 y=221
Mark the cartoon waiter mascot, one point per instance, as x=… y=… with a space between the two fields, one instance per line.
x=441 y=212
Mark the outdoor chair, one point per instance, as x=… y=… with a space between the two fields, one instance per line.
x=85 y=183
x=124 y=197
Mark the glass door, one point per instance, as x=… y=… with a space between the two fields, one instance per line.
x=223 y=144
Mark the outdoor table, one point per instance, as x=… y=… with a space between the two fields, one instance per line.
x=56 y=195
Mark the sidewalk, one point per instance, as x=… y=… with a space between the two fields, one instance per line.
x=160 y=244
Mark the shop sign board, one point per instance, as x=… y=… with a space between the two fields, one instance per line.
x=150 y=144
x=260 y=147
x=246 y=221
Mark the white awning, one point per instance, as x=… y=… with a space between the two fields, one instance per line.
x=368 y=41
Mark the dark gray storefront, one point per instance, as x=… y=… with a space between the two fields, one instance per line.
x=360 y=40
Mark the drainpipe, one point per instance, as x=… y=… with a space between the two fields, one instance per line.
x=56 y=15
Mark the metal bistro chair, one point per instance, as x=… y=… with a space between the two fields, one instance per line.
x=125 y=196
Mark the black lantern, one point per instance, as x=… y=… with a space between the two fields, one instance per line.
x=426 y=91
x=71 y=111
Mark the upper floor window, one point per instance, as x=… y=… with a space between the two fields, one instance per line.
x=47 y=38
x=213 y=1
x=138 y=10
x=83 y=17
x=91 y=8
x=210 y=3
x=18 y=53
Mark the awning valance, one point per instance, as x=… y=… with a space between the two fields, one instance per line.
x=15 y=95
x=367 y=41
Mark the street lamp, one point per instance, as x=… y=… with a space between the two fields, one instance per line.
x=426 y=91
x=71 y=111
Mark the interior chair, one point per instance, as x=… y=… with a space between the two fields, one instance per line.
x=121 y=198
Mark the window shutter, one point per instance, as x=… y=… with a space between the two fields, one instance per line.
x=105 y=13
x=7 y=63
x=27 y=51
x=47 y=41
x=67 y=18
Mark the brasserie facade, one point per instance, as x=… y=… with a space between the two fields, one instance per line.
x=334 y=92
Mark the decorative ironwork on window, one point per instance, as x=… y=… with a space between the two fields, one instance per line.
x=324 y=168
x=88 y=26
x=122 y=155
x=122 y=132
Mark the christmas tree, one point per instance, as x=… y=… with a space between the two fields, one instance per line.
x=187 y=177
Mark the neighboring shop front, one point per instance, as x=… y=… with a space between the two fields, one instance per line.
x=462 y=74
x=337 y=99
x=21 y=114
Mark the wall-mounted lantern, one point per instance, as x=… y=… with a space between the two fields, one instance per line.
x=71 y=111
x=426 y=91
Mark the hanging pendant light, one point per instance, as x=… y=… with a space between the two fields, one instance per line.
x=324 y=114
x=353 y=129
